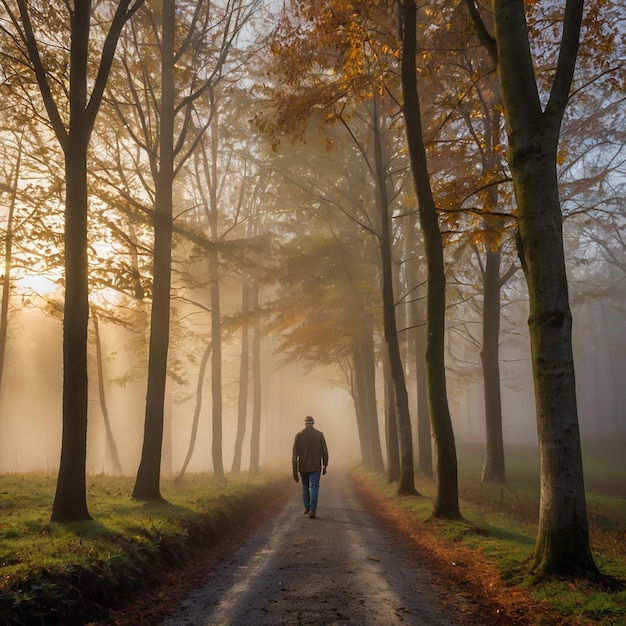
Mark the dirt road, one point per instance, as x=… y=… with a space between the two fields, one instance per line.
x=339 y=568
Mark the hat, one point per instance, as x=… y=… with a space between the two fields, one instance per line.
x=309 y=420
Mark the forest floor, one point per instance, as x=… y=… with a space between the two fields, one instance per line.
x=363 y=542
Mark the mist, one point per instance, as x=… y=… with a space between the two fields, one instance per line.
x=30 y=431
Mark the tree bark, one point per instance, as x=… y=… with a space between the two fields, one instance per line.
x=494 y=465
x=446 y=504
x=391 y=427
x=70 y=501
x=424 y=435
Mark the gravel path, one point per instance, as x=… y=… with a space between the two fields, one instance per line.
x=341 y=567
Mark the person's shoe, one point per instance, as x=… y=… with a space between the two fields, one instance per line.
x=312 y=513
x=306 y=511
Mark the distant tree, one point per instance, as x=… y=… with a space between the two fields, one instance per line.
x=406 y=479
x=257 y=387
x=324 y=315
x=250 y=344
x=11 y=188
x=196 y=412
x=244 y=373
x=416 y=338
x=108 y=432
x=391 y=427
x=354 y=97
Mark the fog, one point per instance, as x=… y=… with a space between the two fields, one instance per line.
x=30 y=429
x=31 y=404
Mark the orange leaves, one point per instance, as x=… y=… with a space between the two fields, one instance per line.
x=329 y=55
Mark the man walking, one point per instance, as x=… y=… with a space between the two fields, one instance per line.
x=310 y=458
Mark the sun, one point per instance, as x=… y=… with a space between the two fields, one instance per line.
x=43 y=285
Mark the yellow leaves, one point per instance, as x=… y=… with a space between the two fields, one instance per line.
x=561 y=156
x=342 y=51
x=276 y=48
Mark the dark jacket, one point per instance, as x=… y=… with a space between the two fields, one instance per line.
x=309 y=451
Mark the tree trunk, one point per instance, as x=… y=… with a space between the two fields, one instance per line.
x=391 y=427
x=406 y=481
x=365 y=372
x=244 y=375
x=417 y=335
x=446 y=504
x=110 y=440
x=8 y=261
x=70 y=500
x=216 y=366
x=196 y=413
x=494 y=466
x=563 y=536
x=424 y=435
x=255 y=435
x=212 y=209
x=147 y=485
x=360 y=404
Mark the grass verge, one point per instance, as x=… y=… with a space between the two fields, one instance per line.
x=499 y=531
x=53 y=573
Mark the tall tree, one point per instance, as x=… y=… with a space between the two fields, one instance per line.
x=533 y=130
x=147 y=483
x=174 y=57
x=72 y=121
x=354 y=95
x=406 y=479
x=196 y=412
x=446 y=504
x=208 y=191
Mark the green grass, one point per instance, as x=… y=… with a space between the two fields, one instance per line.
x=53 y=573
x=501 y=522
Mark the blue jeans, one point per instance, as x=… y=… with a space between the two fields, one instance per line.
x=309 y=496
